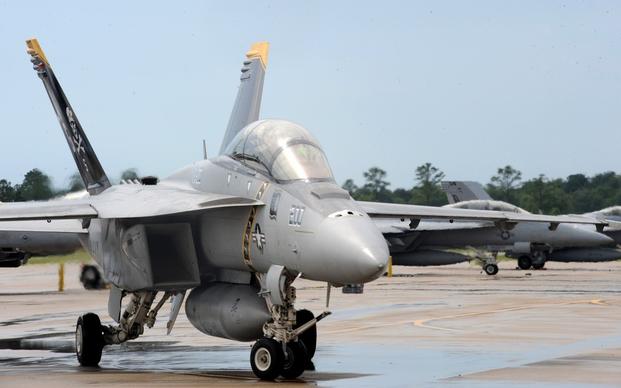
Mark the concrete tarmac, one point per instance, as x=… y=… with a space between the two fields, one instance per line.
x=430 y=326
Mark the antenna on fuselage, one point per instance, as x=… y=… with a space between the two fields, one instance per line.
x=204 y=149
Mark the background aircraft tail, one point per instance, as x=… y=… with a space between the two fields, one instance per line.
x=459 y=191
x=93 y=175
x=248 y=102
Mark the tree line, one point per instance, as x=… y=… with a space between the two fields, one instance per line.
x=37 y=186
x=577 y=193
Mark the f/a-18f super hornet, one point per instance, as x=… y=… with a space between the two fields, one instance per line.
x=531 y=244
x=236 y=230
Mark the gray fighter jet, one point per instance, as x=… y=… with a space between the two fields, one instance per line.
x=21 y=240
x=236 y=230
x=533 y=245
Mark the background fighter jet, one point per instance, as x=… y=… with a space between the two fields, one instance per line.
x=533 y=245
x=236 y=230
x=21 y=240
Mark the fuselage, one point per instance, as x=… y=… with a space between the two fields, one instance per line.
x=309 y=225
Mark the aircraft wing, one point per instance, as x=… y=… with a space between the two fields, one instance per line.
x=124 y=201
x=415 y=213
x=52 y=226
x=53 y=210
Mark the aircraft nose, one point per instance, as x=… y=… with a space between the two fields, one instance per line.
x=590 y=238
x=353 y=249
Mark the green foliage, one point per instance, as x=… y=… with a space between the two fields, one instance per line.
x=503 y=184
x=7 y=191
x=375 y=187
x=427 y=191
x=574 y=195
x=75 y=182
x=129 y=174
x=36 y=186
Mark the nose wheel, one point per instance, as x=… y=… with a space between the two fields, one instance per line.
x=266 y=359
x=489 y=262
x=491 y=269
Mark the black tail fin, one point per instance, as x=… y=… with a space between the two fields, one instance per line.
x=92 y=173
x=248 y=102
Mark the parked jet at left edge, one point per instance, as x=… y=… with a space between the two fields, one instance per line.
x=236 y=230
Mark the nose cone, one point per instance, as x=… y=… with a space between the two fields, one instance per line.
x=351 y=250
x=585 y=236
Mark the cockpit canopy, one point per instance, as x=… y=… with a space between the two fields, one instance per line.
x=281 y=149
x=484 y=204
x=611 y=211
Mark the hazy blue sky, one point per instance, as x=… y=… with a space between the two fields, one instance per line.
x=468 y=86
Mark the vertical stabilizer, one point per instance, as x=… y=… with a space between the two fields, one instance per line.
x=459 y=191
x=248 y=102
x=93 y=175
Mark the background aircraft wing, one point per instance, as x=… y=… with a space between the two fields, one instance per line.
x=124 y=201
x=396 y=226
x=416 y=213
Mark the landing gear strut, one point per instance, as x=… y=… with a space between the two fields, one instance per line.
x=290 y=337
x=91 y=336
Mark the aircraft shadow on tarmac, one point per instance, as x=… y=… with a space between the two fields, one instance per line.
x=146 y=357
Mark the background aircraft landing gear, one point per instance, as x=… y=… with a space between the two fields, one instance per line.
x=488 y=261
x=490 y=269
x=539 y=260
x=89 y=340
x=524 y=262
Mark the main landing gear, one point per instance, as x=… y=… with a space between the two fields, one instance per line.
x=290 y=337
x=536 y=260
x=91 y=336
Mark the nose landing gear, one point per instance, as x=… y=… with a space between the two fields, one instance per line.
x=290 y=338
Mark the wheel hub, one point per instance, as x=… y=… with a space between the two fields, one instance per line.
x=262 y=359
x=78 y=340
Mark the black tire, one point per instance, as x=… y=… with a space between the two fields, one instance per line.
x=490 y=269
x=296 y=360
x=539 y=265
x=309 y=337
x=524 y=262
x=89 y=341
x=90 y=277
x=266 y=359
